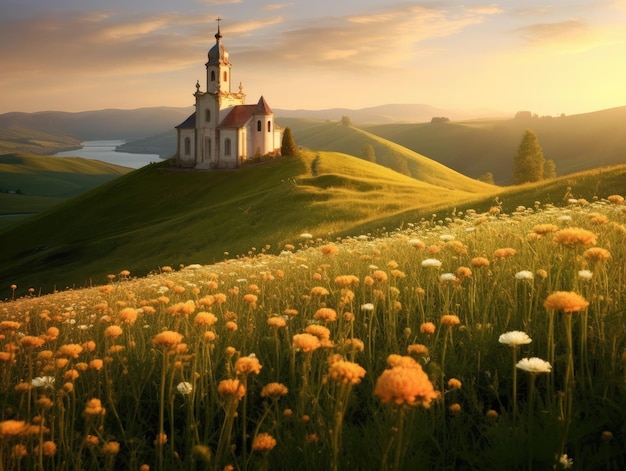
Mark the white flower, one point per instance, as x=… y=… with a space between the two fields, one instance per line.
x=564 y=218
x=524 y=275
x=414 y=242
x=585 y=275
x=447 y=277
x=431 y=262
x=534 y=365
x=367 y=307
x=184 y=387
x=514 y=338
x=363 y=237
x=306 y=235
x=470 y=229
x=446 y=237
x=373 y=267
x=43 y=382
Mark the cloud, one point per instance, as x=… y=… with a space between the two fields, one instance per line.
x=276 y=6
x=492 y=9
x=572 y=35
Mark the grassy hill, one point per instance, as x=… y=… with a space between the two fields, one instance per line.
x=575 y=143
x=32 y=183
x=160 y=215
x=30 y=141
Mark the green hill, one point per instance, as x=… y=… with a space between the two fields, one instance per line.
x=17 y=139
x=575 y=143
x=32 y=183
x=160 y=215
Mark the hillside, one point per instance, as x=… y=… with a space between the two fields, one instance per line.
x=30 y=141
x=32 y=183
x=159 y=215
x=575 y=143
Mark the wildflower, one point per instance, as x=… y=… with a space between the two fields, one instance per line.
x=231 y=389
x=128 y=315
x=573 y=236
x=9 y=325
x=380 y=276
x=607 y=435
x=534 y=365
x=405 y=386
x=184 y=387
x=11 y=428
x=492 y=414
x=70 y=350
x=250 y=298
x=464 y=272
x=566 y=301
x=454 y=383
x=110 y=448
x=447 y=277
x=431 y=263
x=43 y=382
x=355 y=345
x=329 y=249
x=48 y=448
x=319 y=331
x=596 y=254
x=94 y=408
x=565 y=462
x=478 y=262
x=325 y=314
x=29 y=341
x=263 y=442
x=418 y=244
x=450 y=320
x=504 y=253
x=427 y=328
x=274 y=390
x=543 y=229
x=454 y=408
x=276 y=322
x=616 y=199
x=167 y=339
x=113 y=331
x=18 y=451
x=585 y=275
x=231 y=325
x=205 y=319
x=161 y=439
x=417 y=349
x=514 y=338
x=346 y=372
x=247 y=365
x=346 y=280
x=319 y=291
x=524 y=275
x=367 y=307
x=306 y=342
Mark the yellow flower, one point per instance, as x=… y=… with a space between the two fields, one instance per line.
x=454 y=383
x=478 y=262
x=504 y=253
x=263 y=442
x=450 y=320
x=329 y=249
x=543 y=229
x=566 y=301
x=29 y=341
x=319 y=291
x=206 y=319
x=113 y=331
x=347 y=280
x=168 y=339
x=11 y=428
x=346 y=372
x=70 y=350
x=276 y=322
x=405 y=386
x=325 y=314
x=306 y=342
x=596 y=254
x=427 y=328
x=231 y=389
x=128 y=315
x=573 y=236
x=274 y=390
x=94 y=408
x=417 y=349
x=319 y=331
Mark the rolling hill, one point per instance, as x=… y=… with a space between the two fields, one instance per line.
x=31 y=141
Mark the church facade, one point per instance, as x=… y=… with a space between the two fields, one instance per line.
x=224 y=132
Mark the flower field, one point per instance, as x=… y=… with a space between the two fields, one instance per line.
x=468 y=341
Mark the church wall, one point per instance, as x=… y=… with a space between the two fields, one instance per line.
x=186 y=149
x=229 y=156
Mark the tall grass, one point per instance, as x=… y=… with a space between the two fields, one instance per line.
x=359 y=353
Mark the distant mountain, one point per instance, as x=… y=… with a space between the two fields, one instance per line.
x=16 y=139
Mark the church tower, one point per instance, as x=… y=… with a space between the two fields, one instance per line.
x=218 y=66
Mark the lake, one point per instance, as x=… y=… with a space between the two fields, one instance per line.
x=105 y=152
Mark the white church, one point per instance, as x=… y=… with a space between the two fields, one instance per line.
x=224 y=132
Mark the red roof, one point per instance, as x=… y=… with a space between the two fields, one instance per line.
x=238 y=116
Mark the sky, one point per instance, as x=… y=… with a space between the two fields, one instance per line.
x=547 y=57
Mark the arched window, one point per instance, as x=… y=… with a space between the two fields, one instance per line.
x=212 y=76
x=187 y=146
x=227 y=146
x=225 y=76
x=258 y=125
x=269 y=126
x=207 y=115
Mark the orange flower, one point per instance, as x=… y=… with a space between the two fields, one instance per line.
x=326 y=314
x=596 y=254
x=450 y=320
x=70 y=350
x=94 y=408
x=543 y=229
x=113 y=331
x=231 y=389
x=263 y=442
x=380 y=276
x=48 y=448
x=478 y=262
x=616 y=199
x=306 y=342
x=10 y=325
x=250 y=298
x=247 y=365
x=346 y=372
x=347 y=280
x=29 y=341
x=274 y=390
x=167 y=339
x=110 y=448
x=566 y=301
x=504 y=253
x=405 y=386
x=417 y=349
x=427 y=328
x=454 y=383
x=319 y=331
x=206 y=319
x=573 y=236
x=128 y=315
x=329 y=249
x=276 y=322
x=96 y=364
x=11 y=428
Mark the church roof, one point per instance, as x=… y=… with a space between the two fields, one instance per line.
x=188 y=123
x=263 y=108
x=238 y=116
x=218 y=53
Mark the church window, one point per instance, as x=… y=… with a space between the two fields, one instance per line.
x=258 y=125
x=207 y=115
x=225 y=76
x=227 y=146
x=269 y=126
x=212 y=76
x=187 y=146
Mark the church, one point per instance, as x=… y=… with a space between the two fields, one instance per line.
x=224 y=132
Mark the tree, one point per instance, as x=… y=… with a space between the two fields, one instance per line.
x=529 y=162
x=368 y=153
x=549 y=169
x=288 y=146
x=487 y=177
x=346 y=121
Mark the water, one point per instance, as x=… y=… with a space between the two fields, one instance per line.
x=105 y=152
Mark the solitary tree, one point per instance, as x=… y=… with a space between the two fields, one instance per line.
x=288 y=146
x=528 y=163
x=346 y=121
x=487 y=177
x=368 y=153
x=549 y=169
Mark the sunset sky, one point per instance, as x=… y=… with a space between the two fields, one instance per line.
x=563 y=56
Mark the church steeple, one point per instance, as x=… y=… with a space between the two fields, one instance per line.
x=218 y=66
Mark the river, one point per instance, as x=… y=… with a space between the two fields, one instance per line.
x=105 y=152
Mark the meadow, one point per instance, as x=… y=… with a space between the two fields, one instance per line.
x=479 y=340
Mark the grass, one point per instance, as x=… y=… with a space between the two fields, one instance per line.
x=22 y=140
x=353 y=353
